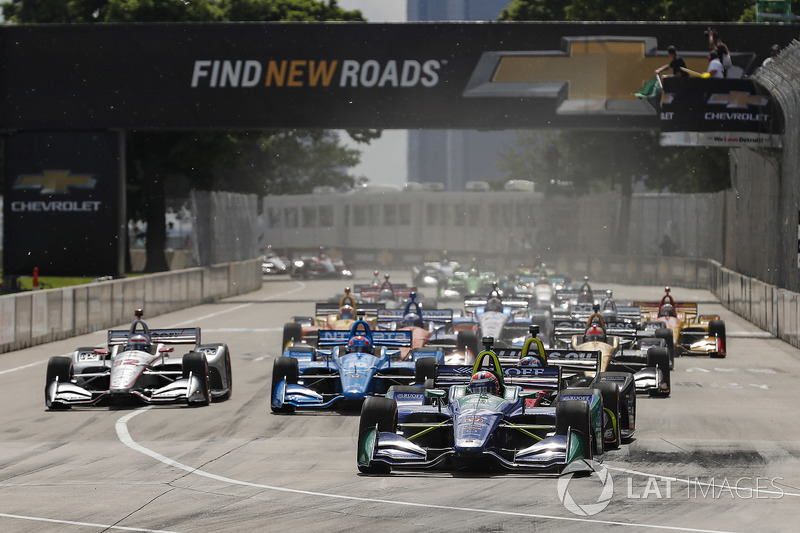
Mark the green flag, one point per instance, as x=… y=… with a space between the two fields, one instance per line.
x=650 y=89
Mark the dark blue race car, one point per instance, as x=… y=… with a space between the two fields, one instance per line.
x=346 y=367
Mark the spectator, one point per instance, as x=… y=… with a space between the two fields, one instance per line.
x=675 y=63
x=714 y=66
x=773 y=53
x=715 y=44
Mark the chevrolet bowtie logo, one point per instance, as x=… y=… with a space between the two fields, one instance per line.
x=738 y=100
x=591 y=74
x=55 y=181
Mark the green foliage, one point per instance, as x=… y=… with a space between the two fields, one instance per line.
x=533 y=10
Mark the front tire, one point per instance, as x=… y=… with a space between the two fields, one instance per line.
x=659 y=358
x=288 y=368
x=57 y=368
x=666 y=334
x=575 y=414
x=716 y=328
x=381 y=412
x=610 y=392
x=196 y=363
x=425 y=369
x=292 y=332
x=468 y=340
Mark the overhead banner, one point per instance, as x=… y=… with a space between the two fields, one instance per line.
x=61 y=204
x=349 y=75
x=719 y=112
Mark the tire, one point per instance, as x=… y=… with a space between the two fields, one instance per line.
x=382 y=412
x=60 y=368
x=612 y=402
x=716 y=328
x=659 y=358
x=425 y=369
x=292 y=332
x=196 y=363
x=289 y=368
x=575 y=414
x=666 y=334
x=469 y=340
x=215 y=376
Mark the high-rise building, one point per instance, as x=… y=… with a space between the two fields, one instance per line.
x=454 y=157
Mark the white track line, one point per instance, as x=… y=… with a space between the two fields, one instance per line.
x=125 y=437
x=82 y=524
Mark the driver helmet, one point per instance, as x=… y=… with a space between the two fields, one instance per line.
x=386 y=295
x=667 y=310
x=586 y=296
x=412 y=320
x=595 y=333
x=346 y=312
x=530 y=361
x=484 y=382
x=359 y=343
x=494 y=304
x=138 y=342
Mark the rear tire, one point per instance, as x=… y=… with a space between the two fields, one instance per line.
x=292 y=332
x=60 y=368
x=659 y=358
x=468 y=340
x=289 y=368
x=381 y=412
x=196 y=363
x=425 y=369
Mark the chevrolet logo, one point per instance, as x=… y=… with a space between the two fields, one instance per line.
x=55 y=181
x=591 y=74
x=738 y=100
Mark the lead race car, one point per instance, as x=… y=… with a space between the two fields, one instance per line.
x=482 y=420
x=347 y=366
x=138 y=364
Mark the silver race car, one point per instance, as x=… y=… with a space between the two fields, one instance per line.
x=139 y=364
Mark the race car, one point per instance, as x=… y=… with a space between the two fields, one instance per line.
x=319 y=266
x=432 y=329
x=622 y=350
x=328 y=316
x=693 y=334
x=348 y=366
x=479 y=420
x=392 y=295
x=139 y=364
x=507 y=320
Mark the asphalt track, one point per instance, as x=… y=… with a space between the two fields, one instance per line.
x=720 y=455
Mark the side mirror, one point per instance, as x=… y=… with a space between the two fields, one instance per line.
x=164 y=349
x=435 y=393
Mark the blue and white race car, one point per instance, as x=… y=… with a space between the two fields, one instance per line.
x=346 y=367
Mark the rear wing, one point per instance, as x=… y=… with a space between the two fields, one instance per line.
x=428 y=315
x=396 y=339
x=118 y=337
x=548 y=378
x=575 y=360
x=477 y=305
x=648 y=307
x=327 y=308
x=564 y=328
x=572 y=295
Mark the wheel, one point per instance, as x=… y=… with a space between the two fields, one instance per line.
x=659 y=358
x=222 y=379
x=666 y=334
x=288 y=368
x=424 y=369
x=716 y=328
x=575 y=414
x=611 y=402
x=195 y=363
x=468 y=340
x=57 y=368
x=381 y=412
x=292 y=332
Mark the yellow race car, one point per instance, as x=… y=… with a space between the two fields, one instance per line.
x=693 y=333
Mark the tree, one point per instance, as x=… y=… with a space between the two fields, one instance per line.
x=260 y=160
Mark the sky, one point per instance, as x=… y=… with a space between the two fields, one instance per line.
x=384 y=160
